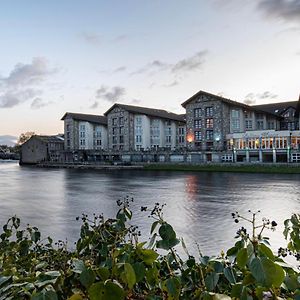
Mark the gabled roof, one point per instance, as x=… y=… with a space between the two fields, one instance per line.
x=47 y=138
x=229 y=101
x=276 y=108
x=153 y=112
x=97 y=119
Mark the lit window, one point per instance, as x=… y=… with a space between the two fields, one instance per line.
x=210 y=123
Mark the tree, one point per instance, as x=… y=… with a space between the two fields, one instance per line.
x=24 y=137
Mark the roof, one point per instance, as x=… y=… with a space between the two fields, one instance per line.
x=97 y=119
x=276 y=108
x=231 y=102
x=153 y=112
x=47 y=138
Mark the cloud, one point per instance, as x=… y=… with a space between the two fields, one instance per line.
x=28 y=74
x=21 y=83
x=135 y=101
x=286 y=10
x=91 y=38
x=121 y=38
x=110 y=94
x=8 y=140
x=38 y=103
x=13 y=98
x=252 y=97
x=120 y=69
x=191 y=63
x=174 y=83
x=94 y=105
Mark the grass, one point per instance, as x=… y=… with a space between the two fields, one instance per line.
x=235 y=168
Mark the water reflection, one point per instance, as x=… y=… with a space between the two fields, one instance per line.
x=199 y=205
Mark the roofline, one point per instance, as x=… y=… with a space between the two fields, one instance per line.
x=120 y=104
x=246 y=106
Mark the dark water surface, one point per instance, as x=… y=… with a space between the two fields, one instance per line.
x=199 y=205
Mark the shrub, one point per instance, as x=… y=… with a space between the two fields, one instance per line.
x=109 y=262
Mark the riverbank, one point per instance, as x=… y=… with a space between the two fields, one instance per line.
x=208 y=167
x=233 y=168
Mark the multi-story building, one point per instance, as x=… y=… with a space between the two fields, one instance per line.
x=85 y=132
x=216 y=125
x=134 y=128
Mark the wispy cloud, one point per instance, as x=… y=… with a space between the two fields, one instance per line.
x=91 y=38
x=22 y=83
x=251 y=98
x=120 y=69
x=189 y=64
x=94 y=105
x=38 y=103
x=110 y=94
x=286 y=10
x=172 y=84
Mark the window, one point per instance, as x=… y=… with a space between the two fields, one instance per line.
x=260 y=125
x=138 y=120
x=114 y=121
x=114 y=131
x=138 y=138
x=82 y=134
x=168 y=139
x=121 y=139
x=235 y=113
x=197 y=124
x=114 y=140
x=209 y=111
x=82 y=127
x=197 y=112
x=181 y=139
x=181 y=130
x=235 y=124
x=210 y=123
x=98 y=142
x=82 y=142
x=121 y=121
x=248 y=124
x=248 y=115
x=271 y=125
x=168 y=131
x=198 y=136
x=68 y=135
x=122 y=130
x=209 y=134
x=68 y=127
x=68 y=143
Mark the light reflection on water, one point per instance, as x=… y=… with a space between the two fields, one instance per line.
x=199 y=205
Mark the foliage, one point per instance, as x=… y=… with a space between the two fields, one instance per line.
x=109 y=262
x=24 y=137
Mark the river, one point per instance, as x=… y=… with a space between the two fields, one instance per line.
x=198 y=205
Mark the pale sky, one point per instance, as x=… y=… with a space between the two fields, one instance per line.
x=82 y=56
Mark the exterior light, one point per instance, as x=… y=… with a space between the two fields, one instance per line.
x=190 y=136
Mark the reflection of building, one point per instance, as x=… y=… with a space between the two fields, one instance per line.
x=41 y=148
x=134 y=128
x=222 y=129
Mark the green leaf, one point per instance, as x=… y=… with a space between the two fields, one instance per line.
x=129 y=275
x=128 y=213
x=87 y=278
x=167 y=232
x=154 y=224
x=45 y=295
x=242 y=258
x=148 y=256
x=167 y=244
x=172 y=287
x=211 y=281
x=267 y=272
x=78 y=266
x=35 y=236
x=266 y=251
x=139 y=270
x=109 y=290
x=103 y=273
x=229 y=274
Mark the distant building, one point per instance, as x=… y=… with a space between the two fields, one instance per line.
x=40 y=148
x=85 y=132
x=135 y=128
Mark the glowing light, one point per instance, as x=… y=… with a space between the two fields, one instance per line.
x=190 y=137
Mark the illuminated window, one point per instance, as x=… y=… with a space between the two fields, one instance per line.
x=209 y=123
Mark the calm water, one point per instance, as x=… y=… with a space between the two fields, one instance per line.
x=199 y=205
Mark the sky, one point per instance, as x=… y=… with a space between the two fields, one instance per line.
x=83 y=56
